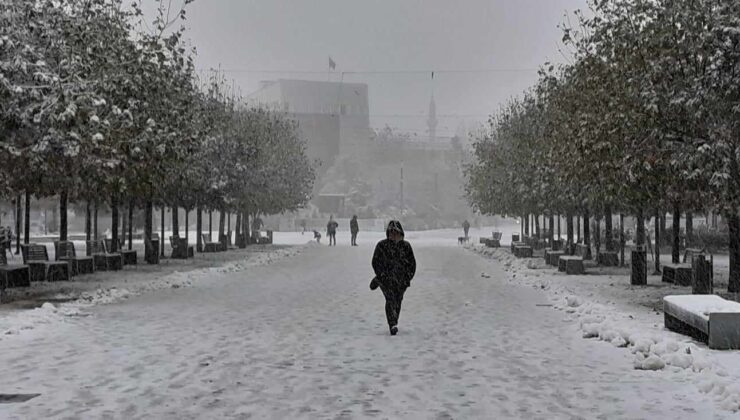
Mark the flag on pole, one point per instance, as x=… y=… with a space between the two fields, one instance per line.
x=332 y=64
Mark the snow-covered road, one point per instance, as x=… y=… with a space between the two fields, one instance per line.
x=306 y=338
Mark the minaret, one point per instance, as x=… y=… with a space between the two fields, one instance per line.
x=432 y=120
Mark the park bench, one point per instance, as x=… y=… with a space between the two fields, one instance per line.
x=264 y=240
x=608 y=259
x=65 y=251
x=553 y=257
x=679 y=274
x=130 y=256
x=13 y=275
x=493 y=242
x=180 y=248
x=707 y=318
x=37 y=258
x=523 y=251
x=570 y=264
x=208 y=245
x=103 y=259
x=516 y=244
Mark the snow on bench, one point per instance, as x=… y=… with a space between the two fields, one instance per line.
x=708 y=318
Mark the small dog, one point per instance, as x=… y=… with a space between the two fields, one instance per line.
x=462 y=240
x=317 y=236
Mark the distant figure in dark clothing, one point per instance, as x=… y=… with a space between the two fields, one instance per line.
x=317 y=236
x=331 y=231
x=394 y=266
x=303 y=225
x=354 y=228
x=466 y=227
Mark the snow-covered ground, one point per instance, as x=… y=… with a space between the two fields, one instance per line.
x=606 y=307
x=304 y=337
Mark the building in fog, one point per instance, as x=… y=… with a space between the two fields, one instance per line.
x=333 y=117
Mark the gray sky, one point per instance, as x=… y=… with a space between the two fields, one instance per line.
x=387 y=35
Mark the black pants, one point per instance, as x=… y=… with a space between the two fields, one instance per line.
x=333 y=239
x=354 y=238
x=393 y=298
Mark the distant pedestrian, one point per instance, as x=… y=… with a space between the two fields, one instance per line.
x=303 y=225
x=354 y=228
x=331 y=231
x=394 y=265
x=466 y=227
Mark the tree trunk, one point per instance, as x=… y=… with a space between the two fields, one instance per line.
x=587 y=229
x=526 y=225
x=558 y=226
x=124 y=224
x=733 y=222
x=640 y=237
x=161 y=228
x=131 y=224
x=521 y=228
x=18 y=222
x=199 y=229
x=95 y=221
x=676 y=248
x=175 y=222
x=210 y=225
x=608 y=229
x=569 y=231
x=221 y=226
x=27 y=220
x=63 y=199
x=551 y=232
x=578 y=228
x=88 y=221
x=621 y=239
x=689 y=229
x=657 y=242
x=114 y=223
x=663 y=225
x=597 y=234
x=150 y=253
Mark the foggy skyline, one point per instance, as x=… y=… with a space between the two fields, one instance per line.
x=392 y=46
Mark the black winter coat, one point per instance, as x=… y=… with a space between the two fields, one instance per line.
x=394 y=263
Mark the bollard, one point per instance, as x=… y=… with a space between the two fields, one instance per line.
x=639 y=268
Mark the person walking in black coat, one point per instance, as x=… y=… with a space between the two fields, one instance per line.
x=354 y=228
x=394 y=265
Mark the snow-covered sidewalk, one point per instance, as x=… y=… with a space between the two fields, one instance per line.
x=46 y=303
x=606 y=307
x=305 y=338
